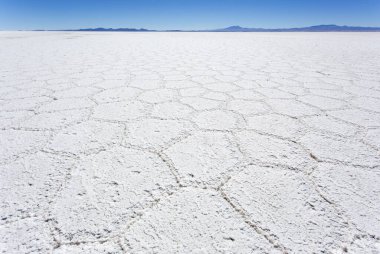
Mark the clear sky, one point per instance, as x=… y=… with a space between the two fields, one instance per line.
x=185 y=14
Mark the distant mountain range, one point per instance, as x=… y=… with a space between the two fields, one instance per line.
x=101 y=29
x=319 y=28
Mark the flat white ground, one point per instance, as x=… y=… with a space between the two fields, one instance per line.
x=189 y=142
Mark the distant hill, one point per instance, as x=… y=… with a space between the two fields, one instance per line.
x=319 y=28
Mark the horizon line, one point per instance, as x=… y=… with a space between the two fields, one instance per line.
x=231 y=28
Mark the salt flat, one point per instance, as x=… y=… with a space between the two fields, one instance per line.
x=189 y=142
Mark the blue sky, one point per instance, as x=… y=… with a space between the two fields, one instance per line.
x=185 y=14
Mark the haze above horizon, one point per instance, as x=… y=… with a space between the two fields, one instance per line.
x=185 y=14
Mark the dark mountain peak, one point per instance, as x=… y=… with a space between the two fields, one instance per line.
x=234 y=27
x=326 y=26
